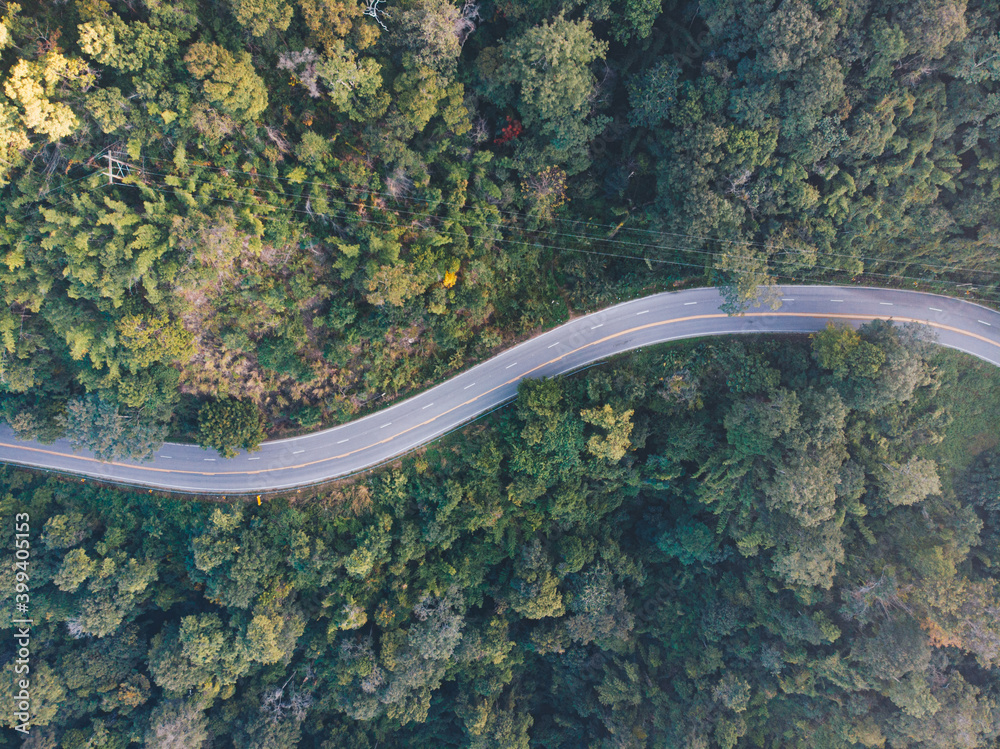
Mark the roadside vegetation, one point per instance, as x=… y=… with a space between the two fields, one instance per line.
x=745 y=542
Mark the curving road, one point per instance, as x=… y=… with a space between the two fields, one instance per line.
x=346 y=449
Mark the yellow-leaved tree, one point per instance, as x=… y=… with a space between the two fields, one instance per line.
x=13 y=138
x=35 y=86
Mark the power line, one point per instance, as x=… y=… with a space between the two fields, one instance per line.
x=255 y=190
x=565 y=234
x=549 y=246
x=494 y=238
x=418 y=214
x=55 y=190
x=784 y=249
x=500 y=239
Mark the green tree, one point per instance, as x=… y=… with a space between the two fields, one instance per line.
x=63 y=531
x=752 y=426
x=633 y=20
x=177 y=724
x=95 y=424
x=897 y=647
x=733 y=692
x=615 y=444
x=150 y=340
x=600 y=610
x=549 y=66
x=261 y=17
x=13 y=140
x=535 y=590
x=229 y=425
x=330 y=21
x=429 y=30
x=75 y=569
x=109 y=108
x=908 y=483
x=809 y=556
x=198 y=653
x=652 y=94
x=104 y=248
x=48 y=693
x=842 y=350
x=744 y=278
x=805 y=486
x=353 y=84
x=229 y=81
x=128 y=47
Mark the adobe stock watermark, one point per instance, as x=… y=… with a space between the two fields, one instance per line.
x=22 y=624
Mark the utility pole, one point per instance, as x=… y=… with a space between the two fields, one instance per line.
x=116 y=168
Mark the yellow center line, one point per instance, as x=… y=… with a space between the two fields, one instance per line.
x=830 y=316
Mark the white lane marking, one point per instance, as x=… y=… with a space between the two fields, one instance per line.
x=688 y=304
x=253 y=458
x=641 y=313
x=342 y=442
x=836 y=300
x=296 y=452
x=168 y=457
x=510 y=365
x=386 y=425
x=597 y=326
x=553 y=345
x=886 y=304
x=936 y=309
x=212 y=459
x=787 y=299
x=468 y=386
x=985 y=323
x=422 y=409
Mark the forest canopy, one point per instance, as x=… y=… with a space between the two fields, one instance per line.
x=307 y=205
x=224 y=219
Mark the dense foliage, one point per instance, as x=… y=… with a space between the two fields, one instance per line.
x=314 y=205
x=228 y=424
x=736 y=543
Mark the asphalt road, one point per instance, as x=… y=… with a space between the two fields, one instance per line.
x=374 y=439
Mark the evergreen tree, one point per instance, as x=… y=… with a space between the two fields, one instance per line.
x=229 y=425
